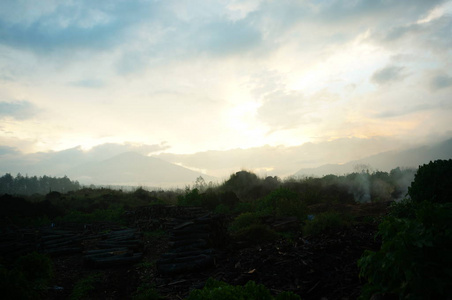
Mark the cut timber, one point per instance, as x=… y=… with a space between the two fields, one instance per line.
x=115 y=260
x=194 y=265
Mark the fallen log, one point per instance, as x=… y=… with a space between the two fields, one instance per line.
x=187 y=253
x=200 y=235
x=61 y=243
x=188 y=242
x=175 y=268
x=175 y=260
x=131 y=244
x=193 y=247
x=98 y=256
x=115 y=260
x=89 y=252
x=62 y=251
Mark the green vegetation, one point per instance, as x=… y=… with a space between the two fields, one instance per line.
x=191 y=198
x=433 y=182
x=244 y=220
x=282 y=203
x=30 y=275
x=325 y=222
x=21 y=185
x=99 y=215
x=146 y=291
x=219 y=290
x=414 y=261
x=84 y=286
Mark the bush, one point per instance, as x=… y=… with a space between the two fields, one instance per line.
x=414 y=261
x=31 y=273
x=36 y=268
x=191 y=198
x=244 y=220
x=84 y=286
x=14 y=285
x=283 y=202
x=433 y=182
x=219 y=290
x=222 y=209
x=403 y=209
x=98 y=215
x=256 y=233
x=146 y=292
x=325 y=222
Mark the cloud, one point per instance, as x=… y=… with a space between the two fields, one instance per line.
x=88 y=83
x=19 y=110
x=57 y=163
x=285 y=110
x=281 y=160
x=5 y=150
x=228 y=37
x=108 y=150
x=405 y=111
x=388 y=75
x=71 y=25
x=433 y=35
x=440 y=81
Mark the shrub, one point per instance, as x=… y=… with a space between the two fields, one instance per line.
x=414 y=261
x=98 y=215
x=84 y=286
x=14 y=285
x=31 y=273
x=36 y=268
x=403 y=209
x=219 y=290
x=191 y=198
x=256 y=233
x=146 y=292
x=325 y=222
x=283 y=202
x=433 y=182
x=244 y=220
x=222 y=209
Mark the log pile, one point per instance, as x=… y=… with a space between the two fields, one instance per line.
x=161 y=217
x=58 y=242
x=117 y=247
x=191 y=245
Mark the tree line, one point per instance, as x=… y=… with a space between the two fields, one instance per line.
x=25 y=185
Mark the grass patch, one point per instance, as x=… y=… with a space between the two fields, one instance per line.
x=325 y=222
x=219 y=290
x=146 y=291
x=155 y=234
x=84 y=286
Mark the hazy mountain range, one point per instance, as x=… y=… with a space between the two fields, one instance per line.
x=131 y=169
x=128 y=164
x=386 y=161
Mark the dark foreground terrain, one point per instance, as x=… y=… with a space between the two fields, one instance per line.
x=163 y=249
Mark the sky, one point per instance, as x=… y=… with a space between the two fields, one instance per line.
x=187 y=77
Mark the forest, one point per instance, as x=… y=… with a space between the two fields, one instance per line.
x=24 y=185
x=360 y=235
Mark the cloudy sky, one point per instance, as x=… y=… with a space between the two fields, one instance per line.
x=182 y=77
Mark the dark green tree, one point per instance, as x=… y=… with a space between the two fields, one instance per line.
x=433 y=182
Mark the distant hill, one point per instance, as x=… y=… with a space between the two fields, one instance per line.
x=131 y=168
x=386 y=161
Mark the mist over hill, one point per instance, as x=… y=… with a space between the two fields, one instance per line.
x=132 y=168
x=129 y=164
x=410 y=158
